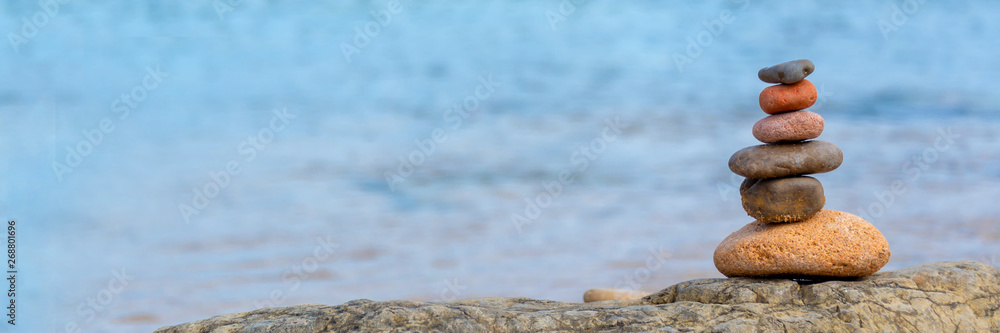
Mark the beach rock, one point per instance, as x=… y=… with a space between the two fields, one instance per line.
x=612 y=294
x=786 y=159
x=961 y=296
x=788 y=97
x=788 y=127
x=787 y=72
x=830 y=244
x=788 y=199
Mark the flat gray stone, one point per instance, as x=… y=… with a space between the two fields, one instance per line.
x=786 y=159
x=787 y=72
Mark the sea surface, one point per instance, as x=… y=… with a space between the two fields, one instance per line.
x=168 y=162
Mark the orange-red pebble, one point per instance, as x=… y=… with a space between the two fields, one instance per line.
x=788 y=97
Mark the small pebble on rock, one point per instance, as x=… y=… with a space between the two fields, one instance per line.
x=612 y=294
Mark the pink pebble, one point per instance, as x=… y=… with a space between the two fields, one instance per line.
x=788 y=127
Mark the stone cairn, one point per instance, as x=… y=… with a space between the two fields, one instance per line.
x=793 y=236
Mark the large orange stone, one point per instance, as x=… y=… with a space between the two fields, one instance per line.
x=831 y=244
x=788 y=97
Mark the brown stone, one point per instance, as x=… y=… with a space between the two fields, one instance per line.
x=786 y=159
x=788 y=127
x=789 y=199
x=788 y=97
x=831 y=244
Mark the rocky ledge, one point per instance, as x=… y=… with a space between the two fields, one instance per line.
x=962 y=296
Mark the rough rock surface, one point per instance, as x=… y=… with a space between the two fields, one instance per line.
x=788 y=199
x=961 y=296
x=829 y=244
x=786 y=159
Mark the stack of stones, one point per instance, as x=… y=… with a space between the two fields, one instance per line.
x=793 y=236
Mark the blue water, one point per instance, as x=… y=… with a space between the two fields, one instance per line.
x=659 y=192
